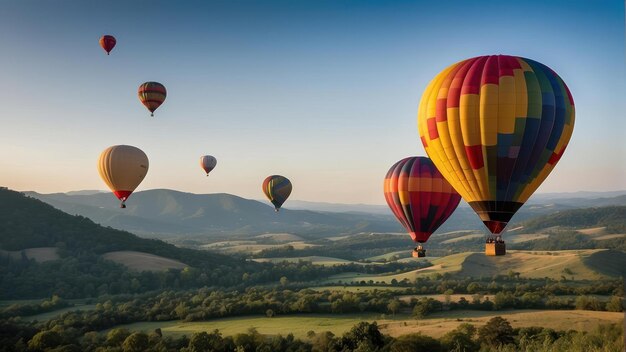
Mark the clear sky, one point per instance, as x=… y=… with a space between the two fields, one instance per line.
x=323 y=92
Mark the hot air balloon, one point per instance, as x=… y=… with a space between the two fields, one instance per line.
x=152 y=95
x=122 y=168
x=277 y=189
x=419 y=197
x=495 y=126
x=107 y=42
x=207 y=163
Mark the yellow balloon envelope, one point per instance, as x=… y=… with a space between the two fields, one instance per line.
x=495 y=127
x=122 y=168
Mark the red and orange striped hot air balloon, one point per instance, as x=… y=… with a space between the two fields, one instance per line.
x=152 y=95
x=107 y=42
x=419 y=197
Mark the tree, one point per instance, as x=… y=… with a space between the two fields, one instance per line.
x=363 y=331
x=199 y=342
x=415 y=343
x=462 y=303
x=45 y=339
x=461 y=339
x=473 y=287
x=615 y=304
x=588 y=303
x=136 y=342
x=324 y=342
x=394 y=306
x=497 y=332
x=116 y=336
x=284 y=281
x=425 y=306
x=503 y=300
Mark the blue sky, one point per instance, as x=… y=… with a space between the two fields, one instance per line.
x=323 y=92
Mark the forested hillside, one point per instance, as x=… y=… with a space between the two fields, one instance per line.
x=612 y=217
x=27 y=222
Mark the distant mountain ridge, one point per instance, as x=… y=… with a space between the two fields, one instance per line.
x=170 y=213
x=167 y=212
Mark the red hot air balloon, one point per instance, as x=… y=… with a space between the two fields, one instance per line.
x=107 y=42
x=152 y=95
x=419 y=197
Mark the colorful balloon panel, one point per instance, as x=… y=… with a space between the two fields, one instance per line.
x=419 y=196
x=277 y=189
x=152 y=95
x=107 y=42
x=495 y=126
x=122 y=168
x=208 y=163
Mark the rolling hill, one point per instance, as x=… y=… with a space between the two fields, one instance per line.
x=27 y=223
x=44 y=251
x=168 y=213
x=592 y=264
x=163 y=212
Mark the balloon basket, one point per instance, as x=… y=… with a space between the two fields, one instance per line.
x=495 y=249
x=418 y=253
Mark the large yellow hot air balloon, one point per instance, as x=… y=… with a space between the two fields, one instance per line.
x=495 y=127
x=122 y=168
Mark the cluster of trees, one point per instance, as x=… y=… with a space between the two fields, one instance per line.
x=25 y=309
x=496 y=335
x=204 y=304
x=440 y=284
x=86 y=274
x=506 y=300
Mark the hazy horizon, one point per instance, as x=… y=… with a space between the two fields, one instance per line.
x=260 y=199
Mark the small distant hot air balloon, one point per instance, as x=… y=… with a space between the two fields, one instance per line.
x=277 y=189
x=495 y=126
x=122 y=168
x=419 y=197
x=152 y=95
x=107 y=42
x=207 y=163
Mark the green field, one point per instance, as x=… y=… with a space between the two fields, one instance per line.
x=49 y=315
x=139 y=261
x=451 y=263
x=297 y=325
x=435 y=325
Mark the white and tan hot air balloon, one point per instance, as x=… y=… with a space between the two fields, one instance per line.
x=208 y=163
x=122 y=168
